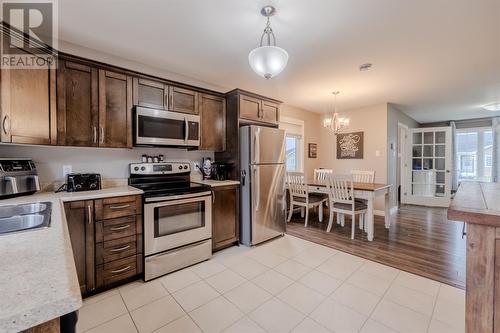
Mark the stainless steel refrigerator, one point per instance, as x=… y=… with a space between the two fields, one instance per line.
x=262 y=161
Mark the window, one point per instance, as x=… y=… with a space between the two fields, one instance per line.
x=474 y=153
x=294 y=143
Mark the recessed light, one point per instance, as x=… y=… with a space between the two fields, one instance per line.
x=492 y=107
x=365 y=67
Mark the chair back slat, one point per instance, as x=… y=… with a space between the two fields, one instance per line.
x=340 y=189
x=297 y=184
x=362 y=176
x=322 y=174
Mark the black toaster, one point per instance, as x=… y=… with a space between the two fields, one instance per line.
x=76 y=182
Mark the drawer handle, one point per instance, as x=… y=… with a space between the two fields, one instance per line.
x=123 y=227
x=119 y=207
x=120 y=249
x=121 y=270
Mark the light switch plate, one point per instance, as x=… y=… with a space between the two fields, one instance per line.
x=377 y=153
x=67 y=169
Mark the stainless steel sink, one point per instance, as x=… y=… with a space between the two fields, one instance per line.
x=24 y=217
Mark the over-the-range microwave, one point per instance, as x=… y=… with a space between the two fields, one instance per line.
x=155 y=127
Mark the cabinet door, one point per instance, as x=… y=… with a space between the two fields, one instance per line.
x=151 y=94
x=28 y=105
x=115 y=109
x=183 y=100
x=270 y=112
x=225 y=225
x=250 y=108
x=213 y=122
x=77 y=114
x=80 y=221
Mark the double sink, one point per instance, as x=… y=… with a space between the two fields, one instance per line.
x=23 y=217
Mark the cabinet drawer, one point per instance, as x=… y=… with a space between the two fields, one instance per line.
x=117 y=270
x=116 y=249
x=110 y=208
x=117 y=228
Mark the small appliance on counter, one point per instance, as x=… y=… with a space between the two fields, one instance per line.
x=18 y=176
x=76 y=182
x=220 y=171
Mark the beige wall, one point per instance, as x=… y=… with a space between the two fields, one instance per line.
x=312 y=134
x=371 y=120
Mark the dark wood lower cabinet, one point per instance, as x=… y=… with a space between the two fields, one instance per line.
x=107 y=250
x=225 y=218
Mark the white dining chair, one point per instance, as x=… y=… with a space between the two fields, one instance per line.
x=341 y=200
x=299 y=194
x=363 y=176
x=322 y=174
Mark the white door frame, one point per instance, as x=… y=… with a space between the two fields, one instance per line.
x=403 y=134
x=432 y=201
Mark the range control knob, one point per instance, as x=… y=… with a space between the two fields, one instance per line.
x=136 y=168
x=185 y=167
x=143 y=168
x=180 y=167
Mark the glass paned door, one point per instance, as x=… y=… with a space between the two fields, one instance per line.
x=429 y=179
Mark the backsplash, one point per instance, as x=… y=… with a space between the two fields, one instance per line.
x=111 y=163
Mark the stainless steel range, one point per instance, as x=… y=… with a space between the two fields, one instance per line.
x=177 y=217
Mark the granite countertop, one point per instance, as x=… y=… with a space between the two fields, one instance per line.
x=215 y=183
x=38 y=280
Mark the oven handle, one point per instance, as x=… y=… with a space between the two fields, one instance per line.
x=178 y=197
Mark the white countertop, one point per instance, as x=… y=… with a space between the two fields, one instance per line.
x=38 y=280
x=215 y=183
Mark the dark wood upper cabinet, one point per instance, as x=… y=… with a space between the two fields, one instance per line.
x=212 y=111
x=28 y=106
x=115 y=109
x=225 y=219
x=78 y=112
x=270 y=112
x=79 y=217
x=250 y=108
x=183 y=100
x=151 y=94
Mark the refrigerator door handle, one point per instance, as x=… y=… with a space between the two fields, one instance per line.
x=256 y=146
x=256 y=181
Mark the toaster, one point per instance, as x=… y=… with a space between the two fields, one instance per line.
x=76 y=182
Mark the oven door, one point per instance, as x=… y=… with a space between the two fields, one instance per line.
x=165 y=128
x=170 y=224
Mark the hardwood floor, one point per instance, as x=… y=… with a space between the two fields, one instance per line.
x=420 y=240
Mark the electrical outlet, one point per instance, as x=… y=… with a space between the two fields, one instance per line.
x=67 y=169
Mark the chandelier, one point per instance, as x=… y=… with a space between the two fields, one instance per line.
x=268 y=60
x=333 y=122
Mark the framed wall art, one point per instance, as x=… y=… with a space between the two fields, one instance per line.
x=312 y=150
x=350 y=145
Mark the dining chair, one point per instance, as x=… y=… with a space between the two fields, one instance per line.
x=299 y=194
x=341 y=200
x=322 y=174
x=363 y=176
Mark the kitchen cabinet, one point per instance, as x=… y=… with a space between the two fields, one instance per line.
x=115 y=109
x=258 y=109
x=212 y=110
x=225 y=219
x=270 y=112
x=28 y=105
x=183 y=100
x=107 y=242
x=78 y=113
x=80 y=221
x=151 y=94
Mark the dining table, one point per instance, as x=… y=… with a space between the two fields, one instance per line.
x=365 y=191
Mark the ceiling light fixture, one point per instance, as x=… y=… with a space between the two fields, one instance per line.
x=333 y=122
x=492 y=107
x=268 y=60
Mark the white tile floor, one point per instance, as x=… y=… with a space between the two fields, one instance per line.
x=287 y=285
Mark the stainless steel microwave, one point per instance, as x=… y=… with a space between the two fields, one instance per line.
x=165 y=128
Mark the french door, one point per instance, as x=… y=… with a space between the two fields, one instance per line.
x=429 y=165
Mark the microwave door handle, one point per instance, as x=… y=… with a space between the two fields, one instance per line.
x=186 y=130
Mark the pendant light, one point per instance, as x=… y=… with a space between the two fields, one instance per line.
x=333 y=122
x=268 y=60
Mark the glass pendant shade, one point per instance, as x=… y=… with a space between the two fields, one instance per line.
x=268 y=61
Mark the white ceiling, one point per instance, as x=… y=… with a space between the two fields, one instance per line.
x=435 y=59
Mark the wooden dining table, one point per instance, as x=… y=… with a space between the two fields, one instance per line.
x=366 y=191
